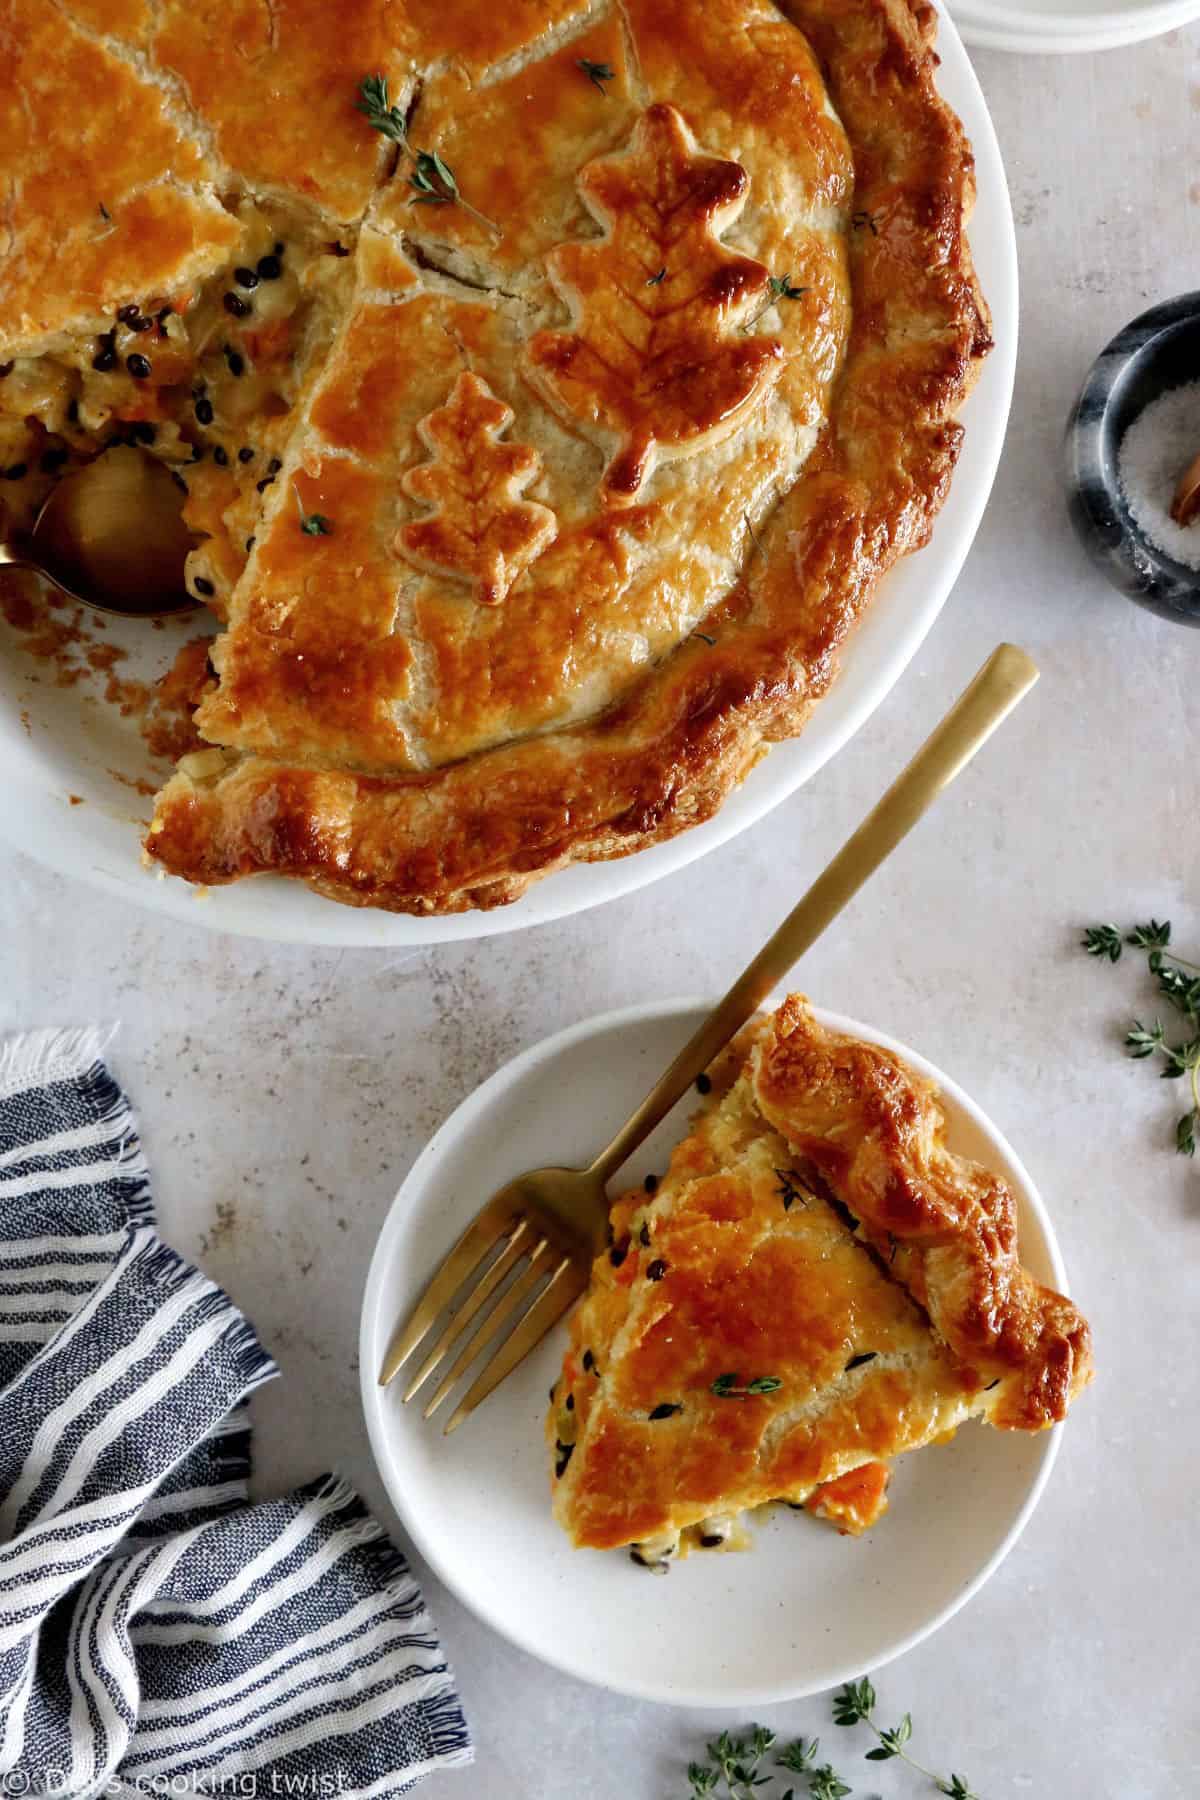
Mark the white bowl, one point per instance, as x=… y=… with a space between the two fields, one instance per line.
x=55 y=743
x=1026 y=26
x=801 y=1611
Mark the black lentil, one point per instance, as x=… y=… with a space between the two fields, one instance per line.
x=269 y=268
x=233 y=303
x=656 y=1270
x=138 y=365
x=570 y=1402
x=644 y=1237
x=711 y=1540
x=221 y=457
x=15 y=471
x=618 y=1253
x=203 y=586
x=563 y=1453
x=204 y=410
x=245 y=454
x=245 y=277
x=197 y=453
x=650 y=1184
x=704 y=1084
x=53 y=460
x=235 y=360
x=589 y=1362
x=864 y=1356
x=665 y=1410
x=274 y=466
x=105 y=358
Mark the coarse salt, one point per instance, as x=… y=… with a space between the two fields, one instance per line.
x=1156 y=449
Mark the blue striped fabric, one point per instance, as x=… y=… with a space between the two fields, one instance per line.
x=158 y=1634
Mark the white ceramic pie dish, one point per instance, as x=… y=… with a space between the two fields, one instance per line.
x=58 y=742
x=801 y=1611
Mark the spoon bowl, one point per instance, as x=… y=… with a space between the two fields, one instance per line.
x=111 y=535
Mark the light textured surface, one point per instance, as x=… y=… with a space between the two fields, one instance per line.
x=284 y=1092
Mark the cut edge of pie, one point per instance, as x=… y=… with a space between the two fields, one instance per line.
x=817 y=1285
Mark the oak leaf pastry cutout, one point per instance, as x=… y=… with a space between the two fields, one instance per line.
x=817 y=1285
x=655 y=365
x=480 y=531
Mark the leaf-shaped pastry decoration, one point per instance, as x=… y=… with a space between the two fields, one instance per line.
x=480 y=530
x=655 y=366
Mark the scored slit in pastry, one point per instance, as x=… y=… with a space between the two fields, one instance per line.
x=817 y=1285
x=546 y=445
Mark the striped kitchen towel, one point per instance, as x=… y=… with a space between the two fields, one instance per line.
x=158 y=1634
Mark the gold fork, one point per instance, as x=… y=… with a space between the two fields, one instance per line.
x=544 y=1229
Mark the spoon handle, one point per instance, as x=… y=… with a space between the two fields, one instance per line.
x=1004 y=679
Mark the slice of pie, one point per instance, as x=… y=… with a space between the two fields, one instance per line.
x=551 y=383
x=817 y=1285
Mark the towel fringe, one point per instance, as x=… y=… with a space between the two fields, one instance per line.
x=38 y=1058
x=448 y=1730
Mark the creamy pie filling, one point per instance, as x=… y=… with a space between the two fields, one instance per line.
x=206 y=382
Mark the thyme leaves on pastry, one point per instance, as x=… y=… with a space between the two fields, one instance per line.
x=779 y=287
x=791 y=1188
x=597 y=72
x=854 y=1704
x=433 y=180
x=732 y=1387
x=1178 y=982
x=313 y=524
x=380 y=115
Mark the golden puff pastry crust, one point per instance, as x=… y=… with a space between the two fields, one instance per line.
x=744 y=1340
x=617 y=382
x=947 y=1228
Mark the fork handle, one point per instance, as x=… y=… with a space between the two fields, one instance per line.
x=1005 y=678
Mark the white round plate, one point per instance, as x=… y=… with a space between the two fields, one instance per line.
x=803 y=1609
x=1026 y=26
x=56 y=743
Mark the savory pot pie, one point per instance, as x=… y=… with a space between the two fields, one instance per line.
x=551 y=383
x=816 y=1285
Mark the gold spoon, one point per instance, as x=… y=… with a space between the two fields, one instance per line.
x=111 y=535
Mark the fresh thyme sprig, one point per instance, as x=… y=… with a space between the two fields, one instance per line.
x=854 y=1704
x=380 y=115
x=1179 y=984
x=433 y=181
x=732 y=1770
x=779 y=287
